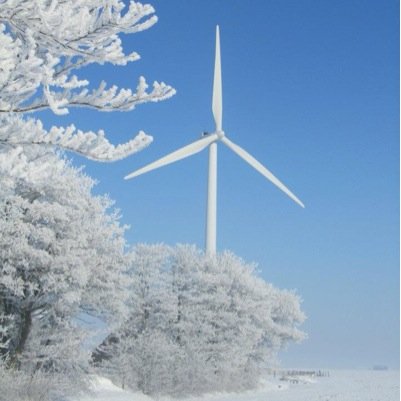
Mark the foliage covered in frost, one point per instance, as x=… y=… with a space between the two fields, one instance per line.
x=62 y=251
x=17 y=385
x=197 y=324
x=42 y=43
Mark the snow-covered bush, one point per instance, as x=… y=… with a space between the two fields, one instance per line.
x=42 y=44
x=198 y=323
x=62 y=252
x=17 y=385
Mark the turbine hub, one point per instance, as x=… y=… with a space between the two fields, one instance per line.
x=220 y=134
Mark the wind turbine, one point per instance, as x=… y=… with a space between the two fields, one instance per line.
x=210 y=141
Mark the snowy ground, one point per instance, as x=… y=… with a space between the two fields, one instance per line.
x=340 y=386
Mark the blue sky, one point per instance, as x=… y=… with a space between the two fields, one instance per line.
x=311 y=89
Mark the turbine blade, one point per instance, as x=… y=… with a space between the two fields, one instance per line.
x=259 y=167
x=179 y=154
x=217 y=101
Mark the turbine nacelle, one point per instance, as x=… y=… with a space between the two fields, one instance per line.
x=220 y=134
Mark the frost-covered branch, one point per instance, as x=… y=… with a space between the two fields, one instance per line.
x=15 y=132
x=103 y=99
x=82 y=28
x=42 y=42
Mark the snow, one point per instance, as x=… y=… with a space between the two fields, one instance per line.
x=342 y=385
x=103 y=389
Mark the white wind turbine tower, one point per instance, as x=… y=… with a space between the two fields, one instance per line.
x=211 y=141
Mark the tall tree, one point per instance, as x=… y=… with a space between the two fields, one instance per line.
x=42 y=43
x=62 y=251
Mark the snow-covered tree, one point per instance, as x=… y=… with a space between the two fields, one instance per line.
x=231 y=322
x=62 y=251
x=42 y=44
x=143 y=347
x=199 y=323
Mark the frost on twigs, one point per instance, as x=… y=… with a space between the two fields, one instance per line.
x=14 y=131
x=43 y=42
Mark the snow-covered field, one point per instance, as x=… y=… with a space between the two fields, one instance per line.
x=351 y=385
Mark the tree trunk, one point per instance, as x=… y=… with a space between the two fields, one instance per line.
x=24 y=330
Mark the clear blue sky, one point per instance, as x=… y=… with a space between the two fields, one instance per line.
x=311 y=89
